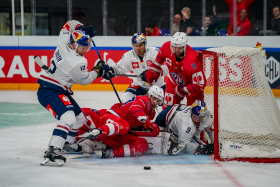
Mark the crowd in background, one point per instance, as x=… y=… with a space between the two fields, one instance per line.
x=184 y=22
x=154 y=18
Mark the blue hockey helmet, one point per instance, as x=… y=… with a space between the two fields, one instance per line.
x=80 y=37
x=138 y=38
x=199 y=108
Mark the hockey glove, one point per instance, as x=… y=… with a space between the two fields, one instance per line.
x=102 y=69
x=110 y=74
x=181 y=91
x=207 y=149
x=152 y=74
x=89 y=30
x=152 y=127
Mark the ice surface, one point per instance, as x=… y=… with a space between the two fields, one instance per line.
x=22 y=146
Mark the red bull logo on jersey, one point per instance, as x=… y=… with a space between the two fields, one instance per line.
x=177 y=78
x=66 y=26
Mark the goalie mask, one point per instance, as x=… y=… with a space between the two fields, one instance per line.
x=199 y=108
x=179 y=39
x=80 y=38
x=138 y=38
x=156 y=92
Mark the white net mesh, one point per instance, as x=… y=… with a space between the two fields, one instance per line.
x=249 y=117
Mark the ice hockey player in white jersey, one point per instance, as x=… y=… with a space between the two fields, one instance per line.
x=186 y=125
x=68 y=67
x=138 y=60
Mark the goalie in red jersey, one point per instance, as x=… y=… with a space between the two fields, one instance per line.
x=115 y=125
x=186 y=77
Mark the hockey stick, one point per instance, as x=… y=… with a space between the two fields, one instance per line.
x=84 y=155
x=167 y=125
x=127 y=75
x=142 y=133
x=198 y=141
x=107 y=73
x=45 y=67
x=41 y=63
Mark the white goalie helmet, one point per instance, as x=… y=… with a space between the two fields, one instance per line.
x=179 y=39
x=156 y=92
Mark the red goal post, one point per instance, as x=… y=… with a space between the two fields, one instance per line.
x=246 y=115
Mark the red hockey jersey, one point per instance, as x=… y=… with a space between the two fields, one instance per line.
x=93 y=117
x=134 y=110
x=188 y=72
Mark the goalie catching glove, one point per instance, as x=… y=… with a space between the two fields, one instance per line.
x=207 y=149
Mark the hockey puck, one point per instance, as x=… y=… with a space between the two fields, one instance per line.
x=147 y=167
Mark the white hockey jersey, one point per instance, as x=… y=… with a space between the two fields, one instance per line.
x=67 y=66
x=131 y=62
x=183 y=126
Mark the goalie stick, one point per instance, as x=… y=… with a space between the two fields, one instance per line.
x=198 y=141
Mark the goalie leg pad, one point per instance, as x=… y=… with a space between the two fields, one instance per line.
x=175 y=149
x=89 y=146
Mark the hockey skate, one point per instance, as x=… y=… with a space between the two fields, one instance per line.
x=71 y=148
x=53 y=157
x=107 y=153
x=92 y=134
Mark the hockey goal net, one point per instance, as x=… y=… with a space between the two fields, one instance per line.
x=246 y=115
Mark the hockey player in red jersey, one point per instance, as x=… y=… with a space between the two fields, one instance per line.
x=113 y=128
x=93 y=117
x=186 y=77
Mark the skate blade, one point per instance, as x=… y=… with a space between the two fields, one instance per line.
x=48 y=162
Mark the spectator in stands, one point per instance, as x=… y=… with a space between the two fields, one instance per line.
x=152 y=30
x=240 y=4
x=210 y=26
x=175 y=26
x=275 y=22
x=187 y=25
x=243 y=25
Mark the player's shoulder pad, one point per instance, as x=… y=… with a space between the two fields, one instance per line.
x=78 y=60
x=129 y=55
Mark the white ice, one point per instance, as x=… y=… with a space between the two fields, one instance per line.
x=22 y=148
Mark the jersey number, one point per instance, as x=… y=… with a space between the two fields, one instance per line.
x=188 y=130
x=53 y=69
